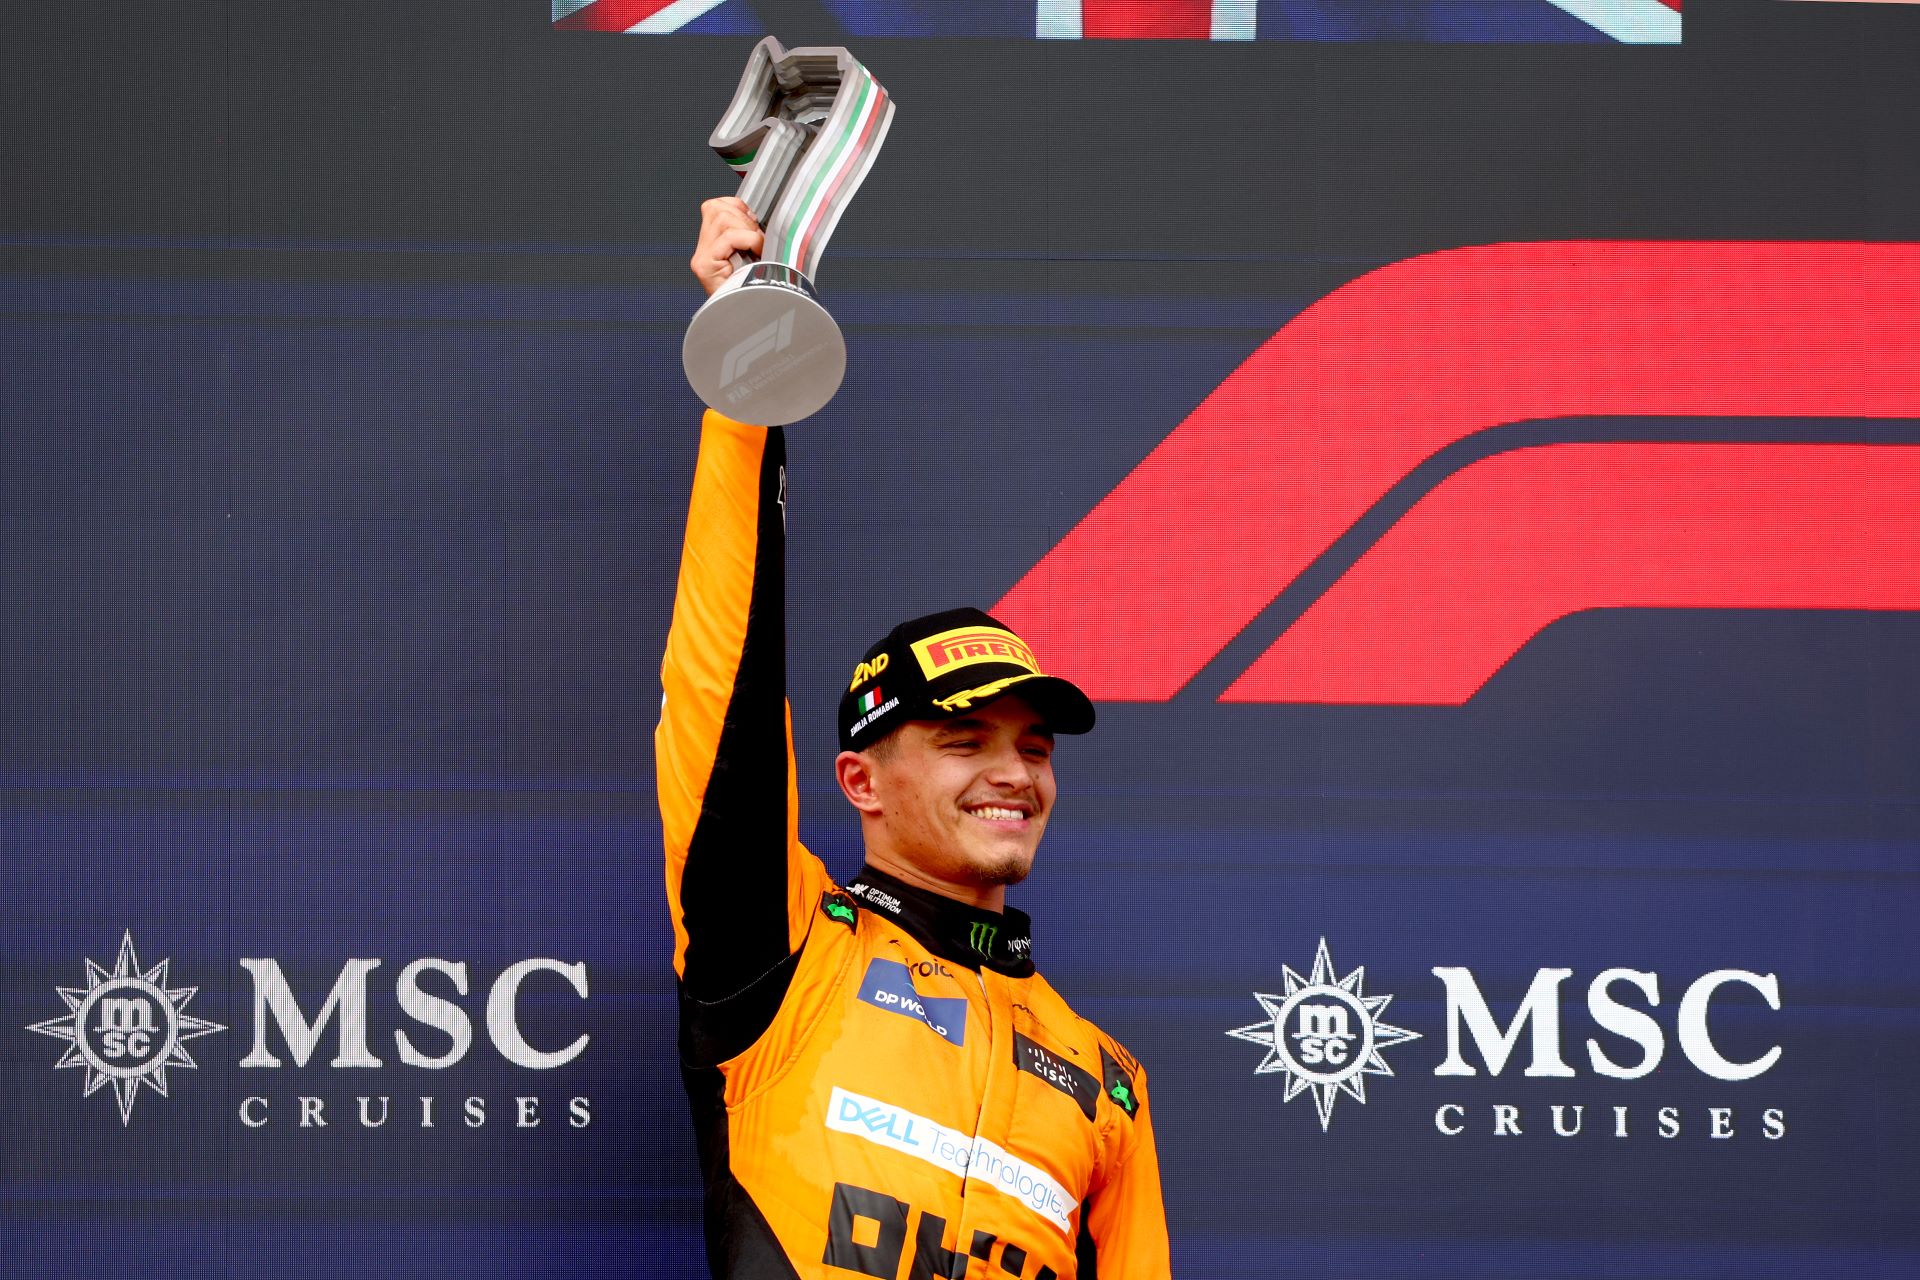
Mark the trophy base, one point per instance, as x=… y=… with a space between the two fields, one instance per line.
x=763 y=350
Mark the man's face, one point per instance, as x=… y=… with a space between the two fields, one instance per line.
x=965 y=800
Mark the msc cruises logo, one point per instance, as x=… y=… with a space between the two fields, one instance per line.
x=126 y=1027
x=1324 y=1034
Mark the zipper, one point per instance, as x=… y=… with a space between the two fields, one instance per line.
x=962 y=1229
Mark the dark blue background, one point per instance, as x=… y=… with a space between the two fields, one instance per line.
x=342 y=478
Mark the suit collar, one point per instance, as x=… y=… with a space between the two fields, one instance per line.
x=998 y=940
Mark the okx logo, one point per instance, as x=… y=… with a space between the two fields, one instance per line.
x=126 y=1027
x=1324 y=1034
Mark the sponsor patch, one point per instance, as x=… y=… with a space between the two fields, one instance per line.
x=1119 y=1084
x=958 y=1153
x=1037 y=1060
x=889 y=985
x=837 y=906
x=965 y=646
x=875 y=898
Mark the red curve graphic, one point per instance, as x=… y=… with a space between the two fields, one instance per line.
x=1512 y=544
x=1377 y=376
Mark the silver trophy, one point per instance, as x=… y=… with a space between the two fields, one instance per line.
x=802 y=131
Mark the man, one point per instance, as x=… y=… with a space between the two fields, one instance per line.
x=881 y=1083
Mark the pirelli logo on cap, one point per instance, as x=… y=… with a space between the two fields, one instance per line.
x=965 y=646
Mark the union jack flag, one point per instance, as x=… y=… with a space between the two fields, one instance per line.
x=1487 y=21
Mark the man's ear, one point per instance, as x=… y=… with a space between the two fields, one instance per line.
x=855 y=775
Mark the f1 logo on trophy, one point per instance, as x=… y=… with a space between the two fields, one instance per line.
x=802 y=131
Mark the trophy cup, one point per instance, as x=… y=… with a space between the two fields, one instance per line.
x=802 y=131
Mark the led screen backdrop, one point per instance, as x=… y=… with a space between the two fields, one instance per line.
x=1476 y=475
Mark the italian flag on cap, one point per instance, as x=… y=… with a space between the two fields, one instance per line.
x=870 y=699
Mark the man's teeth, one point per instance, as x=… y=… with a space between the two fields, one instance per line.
x=994 y=813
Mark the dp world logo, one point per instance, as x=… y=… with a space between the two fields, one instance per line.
x=1324 y=1034
x=126 y=1028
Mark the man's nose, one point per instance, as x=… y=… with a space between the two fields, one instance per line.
x=1006 y=768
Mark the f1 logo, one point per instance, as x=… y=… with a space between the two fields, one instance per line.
x=776 y=336
x=1332 y=416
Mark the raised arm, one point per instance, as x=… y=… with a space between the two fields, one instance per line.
x=738 y=882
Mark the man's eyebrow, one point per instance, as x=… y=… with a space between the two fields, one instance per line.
x=969 y=724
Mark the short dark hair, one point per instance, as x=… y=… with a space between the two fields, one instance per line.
x=884 y=748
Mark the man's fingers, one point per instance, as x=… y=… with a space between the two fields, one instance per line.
x=726 y=228
x=724 y=211
x=748 y=239
x=718 y=247
x=731 y=222
x=719 y=204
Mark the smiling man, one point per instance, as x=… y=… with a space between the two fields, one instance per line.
x=882 y=1084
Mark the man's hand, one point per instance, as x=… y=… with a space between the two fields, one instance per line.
x=726 y=228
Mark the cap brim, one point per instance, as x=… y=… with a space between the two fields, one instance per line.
x=1059 y=701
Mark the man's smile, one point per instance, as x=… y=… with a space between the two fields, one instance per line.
x=1013 y=815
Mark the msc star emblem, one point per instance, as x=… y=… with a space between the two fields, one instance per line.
x=126 y=1027
x=1324 y=1034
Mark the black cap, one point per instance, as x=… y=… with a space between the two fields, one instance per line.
x=943 y=665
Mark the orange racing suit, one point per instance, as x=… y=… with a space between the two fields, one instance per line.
x=881 y=1083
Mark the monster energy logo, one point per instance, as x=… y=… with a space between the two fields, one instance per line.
x=980 y=936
